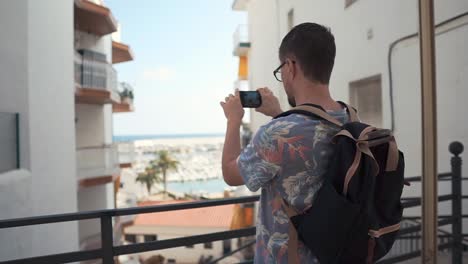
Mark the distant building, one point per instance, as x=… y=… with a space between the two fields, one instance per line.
x=182 y=223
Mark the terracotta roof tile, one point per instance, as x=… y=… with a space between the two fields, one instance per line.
x=214 y=216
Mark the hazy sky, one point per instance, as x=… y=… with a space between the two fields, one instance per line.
x=183 y=64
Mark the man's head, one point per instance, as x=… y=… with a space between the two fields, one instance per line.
x=308 y=53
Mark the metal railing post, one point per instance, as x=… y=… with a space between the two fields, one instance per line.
x=456 y=148
x=107 y=240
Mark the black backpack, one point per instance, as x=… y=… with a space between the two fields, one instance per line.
x=356 y=214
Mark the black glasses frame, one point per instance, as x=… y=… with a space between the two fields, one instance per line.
x=278 y=70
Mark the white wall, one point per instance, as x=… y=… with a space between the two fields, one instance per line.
x=52 y=133
x=37 y=81
x=263 y=58
x=90 y=126
x=15 y=193
x=13 y=68
x=94 y=198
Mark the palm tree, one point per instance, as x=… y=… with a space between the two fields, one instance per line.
x=166 y=163
x=150 y=176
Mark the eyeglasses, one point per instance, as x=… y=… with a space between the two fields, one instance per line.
x=277 y=71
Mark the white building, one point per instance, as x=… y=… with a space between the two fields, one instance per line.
x=57 y=77
x=371 y=36
x=183 y=223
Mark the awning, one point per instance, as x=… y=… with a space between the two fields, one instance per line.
x=121 y=52
x=94 y=18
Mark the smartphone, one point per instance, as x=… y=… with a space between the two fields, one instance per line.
x=250 y=99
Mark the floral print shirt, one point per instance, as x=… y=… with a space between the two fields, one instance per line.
x=287 y=158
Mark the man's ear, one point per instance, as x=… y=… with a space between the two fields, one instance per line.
x=293 y=69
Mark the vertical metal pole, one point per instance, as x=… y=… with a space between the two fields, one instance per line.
x=107 y=240
x=456 y=148
x=429 y=130
x=18 y=157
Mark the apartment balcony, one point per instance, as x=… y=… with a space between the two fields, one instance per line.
x=125 y=104
x=121 y=52
x=9 y=142
x=94 y=18
x=95 y=79
x=97 y=165
x=239 y=5
x=126 y=153
x=241 y=41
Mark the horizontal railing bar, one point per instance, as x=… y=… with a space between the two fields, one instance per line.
x=182 y=241
x=418 y=178
x=59 y=258
x=182 y=206
x=233 y=252
x=439 y=216
x=416 y=201
x=411 y=255
x=420 y=236
x=417 y=228
x=49 y=219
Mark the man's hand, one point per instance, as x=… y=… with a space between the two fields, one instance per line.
x=270 y=103
x=233 y=108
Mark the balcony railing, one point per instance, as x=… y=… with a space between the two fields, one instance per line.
x=126 y=152
x=94 y=71
x=9 y=141
x=451 y=241
x=241 y=40
x=93 y=162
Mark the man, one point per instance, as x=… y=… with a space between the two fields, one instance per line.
x=287 y=157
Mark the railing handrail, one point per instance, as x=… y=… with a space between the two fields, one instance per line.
x=67 y=217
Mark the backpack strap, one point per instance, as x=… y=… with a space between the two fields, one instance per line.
x=353 y=117
x=293 y=257
x=313 y=111
x=317 y=111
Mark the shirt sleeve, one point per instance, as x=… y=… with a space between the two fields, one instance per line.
x=259 y=162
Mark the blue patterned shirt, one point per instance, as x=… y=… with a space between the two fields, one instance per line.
x=287 y=158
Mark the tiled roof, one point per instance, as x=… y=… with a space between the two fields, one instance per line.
x=215 y=216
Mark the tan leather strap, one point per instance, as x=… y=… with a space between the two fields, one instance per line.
x=392 y=156
x=353 y=117
x=318 y=112
x=362 y=147
x=383 y=231
x=293 y=257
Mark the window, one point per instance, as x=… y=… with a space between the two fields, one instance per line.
x=366 y=96
x=209 y=245
x=149 y=238
x=171 y=261
x=290 y=19
x=130 y=238
x=349 y=2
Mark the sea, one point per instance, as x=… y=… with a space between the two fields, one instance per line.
x=213 y=185
x=128 y=138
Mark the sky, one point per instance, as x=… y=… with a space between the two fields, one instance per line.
x=183 y=64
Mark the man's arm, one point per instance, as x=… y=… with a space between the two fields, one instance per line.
x=231 y=152
x=234 y=112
